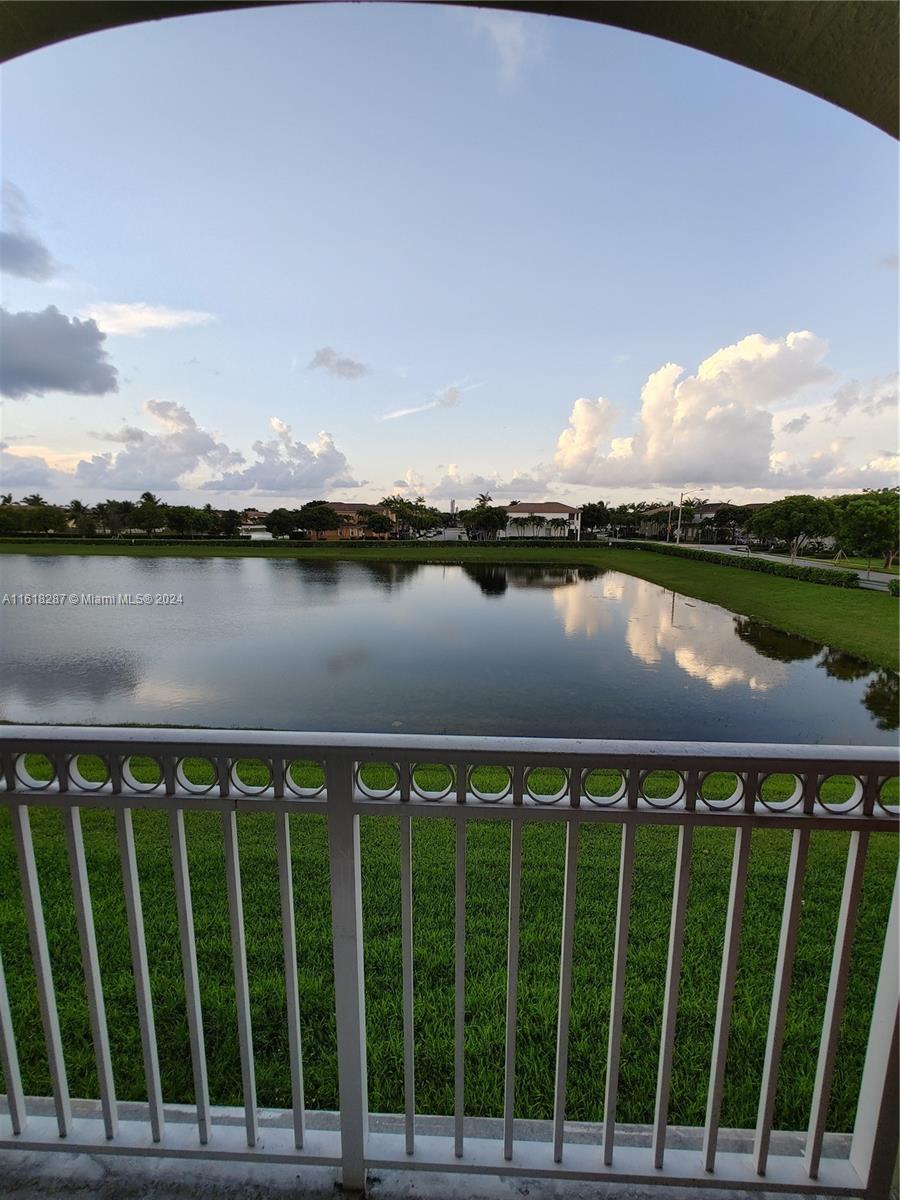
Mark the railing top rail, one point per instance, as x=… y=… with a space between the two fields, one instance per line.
x=423 y=747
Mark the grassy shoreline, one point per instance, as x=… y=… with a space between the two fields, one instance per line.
x=861 y=622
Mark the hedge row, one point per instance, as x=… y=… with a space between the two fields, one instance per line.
x=830 y=578
x=74 y=539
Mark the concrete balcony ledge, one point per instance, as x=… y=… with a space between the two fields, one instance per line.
x=37 y=1175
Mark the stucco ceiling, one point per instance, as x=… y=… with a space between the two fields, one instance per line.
x=845 y=51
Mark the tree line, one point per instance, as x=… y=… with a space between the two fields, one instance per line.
x=866 y=523
x=149 y=515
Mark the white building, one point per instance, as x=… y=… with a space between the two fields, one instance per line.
x=533 y=519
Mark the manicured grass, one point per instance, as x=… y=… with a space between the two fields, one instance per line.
x=862 y=622
x=486 y=918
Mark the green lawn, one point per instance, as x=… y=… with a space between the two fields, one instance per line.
x=862 y=622
x=851 y=561
x=433 y=890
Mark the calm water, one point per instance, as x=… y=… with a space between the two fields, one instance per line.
x=382 y=646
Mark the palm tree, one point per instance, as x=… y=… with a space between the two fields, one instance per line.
x=537 y=522
x=6 y=498
x=558 y=524
x=149 y=498
x=77 y=508
x=35 y=500
x=483 y=499
x=520 y=523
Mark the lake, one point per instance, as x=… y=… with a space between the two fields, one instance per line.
x=374 y=646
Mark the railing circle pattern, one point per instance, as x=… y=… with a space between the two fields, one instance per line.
x=714 y=803
x=308 y=767
x=189 y=785
x=678 y=791
x=374 y=793
x=132 y=780
x=547 y=797
x=432 y=794
x=241 y=785
x=853 y=788
x=773 y=783
x=80 y=780
x=604 y=799
x=31 y=782
x=850 y=802
x=493 y=797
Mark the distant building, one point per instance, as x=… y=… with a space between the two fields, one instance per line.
x=653 y=522
x=354 y=521
x=548 y=510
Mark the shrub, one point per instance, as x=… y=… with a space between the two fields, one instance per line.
x=894 y=587
x=830 y=578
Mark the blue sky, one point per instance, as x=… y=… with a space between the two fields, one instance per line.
x=509 y=223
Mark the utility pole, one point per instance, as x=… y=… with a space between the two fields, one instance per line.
x=678 y=530
x=669 y=523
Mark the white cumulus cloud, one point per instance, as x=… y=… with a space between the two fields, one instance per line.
x=156 y=460
x=714 y=427
x=285 y=467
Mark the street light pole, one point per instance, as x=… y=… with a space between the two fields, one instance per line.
x=678 y=530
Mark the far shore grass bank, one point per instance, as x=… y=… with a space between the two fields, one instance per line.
x=861 y=622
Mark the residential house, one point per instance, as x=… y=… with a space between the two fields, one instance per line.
x=549 y=510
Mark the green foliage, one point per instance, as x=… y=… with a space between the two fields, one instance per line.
x=870 y=524
x=411 y=517
x=894 y=587
x=317 y=517
x=823 y=575
x=280 y=522
x=229 y=523
x=794 y=520
x=32 y=518
x=377 y=522
x=594 y=515
x=485 y=521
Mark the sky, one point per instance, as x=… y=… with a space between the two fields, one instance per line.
x=337 y=251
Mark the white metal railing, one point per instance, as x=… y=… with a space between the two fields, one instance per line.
x=359 y=1143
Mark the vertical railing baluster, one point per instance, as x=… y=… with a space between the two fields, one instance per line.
x=512 y=984
x=291 y=991
x=736 y=894
x=517 y=783
x=9 y=1061
x=137 y=939
x=873 y=1151
x=459 y=990
x=834 y=1003
x=40 y=957
x=90 y=961
x=406 y=922
x=189 y=969
x=461 y=773
x=784 y=966
x=617 y=999
x=349 y=979
x=239 y=963
x=673 y=979
x=565 y=986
